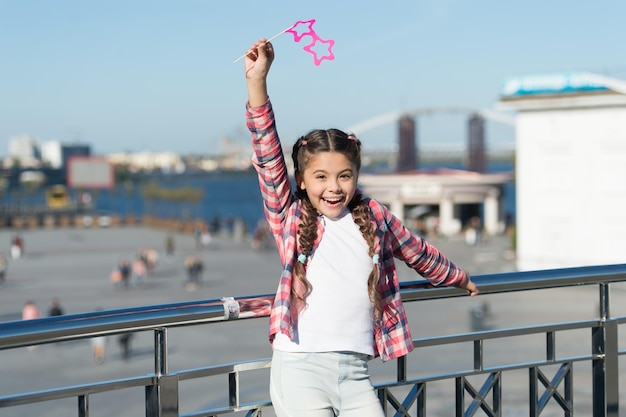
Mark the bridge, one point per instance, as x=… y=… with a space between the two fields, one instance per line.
x=407 y=140
x=393 y=117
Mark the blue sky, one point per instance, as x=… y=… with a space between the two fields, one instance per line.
x=158 y=75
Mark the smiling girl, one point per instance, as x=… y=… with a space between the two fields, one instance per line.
x=338 y=303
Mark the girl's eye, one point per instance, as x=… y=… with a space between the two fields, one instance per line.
x=347 y=176
x=321 y=177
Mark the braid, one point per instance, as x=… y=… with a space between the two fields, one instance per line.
x=307 y=233
x=362 y=218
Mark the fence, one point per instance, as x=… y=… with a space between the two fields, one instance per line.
x=479 y=389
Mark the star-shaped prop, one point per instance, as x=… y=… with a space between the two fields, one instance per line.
x=328 y=45
x=297 y=36
x=301 y=29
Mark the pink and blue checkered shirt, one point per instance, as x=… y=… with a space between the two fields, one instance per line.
x=392 y=337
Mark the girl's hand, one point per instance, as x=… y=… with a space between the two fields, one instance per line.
x=469 y=285
x=258 y=60
x=471 y=288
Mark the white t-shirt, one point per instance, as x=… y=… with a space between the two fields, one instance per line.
x=338 y=314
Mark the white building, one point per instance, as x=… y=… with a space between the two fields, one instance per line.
x=570 y=169
x=52 y=153
x=23 y=146
x=166 y=161
x=445 y=190
x=24 y=149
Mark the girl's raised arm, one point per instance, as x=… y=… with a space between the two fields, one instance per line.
x=257 y=64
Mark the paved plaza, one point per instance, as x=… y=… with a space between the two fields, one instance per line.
x=74 y=265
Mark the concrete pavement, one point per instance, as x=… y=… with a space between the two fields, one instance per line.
x=74 y=266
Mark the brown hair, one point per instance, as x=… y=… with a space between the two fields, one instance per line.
x=313 y=143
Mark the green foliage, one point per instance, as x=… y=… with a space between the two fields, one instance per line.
x=122 y=174
x=152 y=191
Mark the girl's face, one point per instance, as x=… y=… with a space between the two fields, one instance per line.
x=329 y=180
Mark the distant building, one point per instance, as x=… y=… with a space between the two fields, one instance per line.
x=56 y=154
x=570 y=169
x=149 y=161
x=52 y=154
x=23 y=146
x=442 y=193
x=25 y=150
x=75 y=149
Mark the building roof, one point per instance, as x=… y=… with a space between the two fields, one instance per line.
x=559 y=84
x=431 y=185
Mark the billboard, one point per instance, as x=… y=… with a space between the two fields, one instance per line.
x=89 y=172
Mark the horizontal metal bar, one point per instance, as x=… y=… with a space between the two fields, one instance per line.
x=498 y=334
x=104 y=323
x=519 y=281
x=488 y=370
x=228 y=410
x=75 y=391
x=222 y=369
x=86 y=325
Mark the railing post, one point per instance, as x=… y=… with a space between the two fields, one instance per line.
x=83 y=405
x=162 y=395
x=233 y=389
x=478 y=355
x=605 y=369
x=160 y=351
x=611 y=362
x=401 y=369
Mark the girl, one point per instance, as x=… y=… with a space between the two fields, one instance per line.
x=338 y=302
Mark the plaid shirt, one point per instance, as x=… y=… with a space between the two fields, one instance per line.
x=282 y=209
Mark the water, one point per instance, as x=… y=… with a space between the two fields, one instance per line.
x=226 y=196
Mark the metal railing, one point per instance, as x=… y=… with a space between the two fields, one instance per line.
x=478 y=389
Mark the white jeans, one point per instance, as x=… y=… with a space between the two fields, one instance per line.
x=322 y=384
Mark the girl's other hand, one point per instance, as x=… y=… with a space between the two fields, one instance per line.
x=471 y=288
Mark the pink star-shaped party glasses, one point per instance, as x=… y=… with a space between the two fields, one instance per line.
x=302 y=29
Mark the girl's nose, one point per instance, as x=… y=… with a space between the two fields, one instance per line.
x=334 y=186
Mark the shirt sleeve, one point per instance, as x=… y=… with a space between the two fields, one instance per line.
x=269 y=162
x=421 y=256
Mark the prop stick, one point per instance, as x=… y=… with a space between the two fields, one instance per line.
x=270 y=39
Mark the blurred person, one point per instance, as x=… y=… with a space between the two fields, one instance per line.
x=261 y=236
x=30 y=312
x=124 y=341
x=473 y=232
x=197 y=235
x=124 y=270
x=17 y=247
x=4 y=264
x=139 y=271
x=169 y=245
x=206 y=238
x=194 y=267
x=149 y=257
x=55 y=308
x=98 y=345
